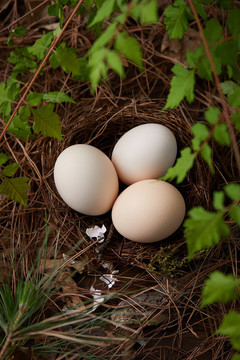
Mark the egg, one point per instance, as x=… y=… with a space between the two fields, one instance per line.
x=148 y=211
x=145 y=152
x=86 y=179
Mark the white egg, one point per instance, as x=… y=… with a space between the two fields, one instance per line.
x=86 y=179
x=148 y=211
x=144 y=152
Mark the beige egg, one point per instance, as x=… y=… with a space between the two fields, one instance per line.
x=145 y=152
x=86 y=179
x=148 y=211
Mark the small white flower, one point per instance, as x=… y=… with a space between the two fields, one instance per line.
x=96 y=232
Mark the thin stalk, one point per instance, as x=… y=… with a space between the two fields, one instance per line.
x=4 y=348
x=40 y=68
x=219 y=89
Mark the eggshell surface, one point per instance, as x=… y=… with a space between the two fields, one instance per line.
x=144 y=152
x=86 y=179
x=148 y=211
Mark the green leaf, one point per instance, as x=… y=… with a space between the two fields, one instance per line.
x=212 y=31
x=182 y=85
x=15 y=189
x=201 y=133
x=103 y=39
x=19 y=31
x=103 y=12
x=23 y=63
x=218 y=200
x=3 y=158
x=148 y=12
x=212 y=115
x=232 y=191
x=183 y=164
x=193 y=57
x=114 y=62
x=47 y=122
x=203 y=229
x=20 y=127
x=225 y=4
x=204 y=67
x=34 y=99
x=234 y=97
x=57 y=97
x=231 y=327
x=233 y=21
x=227 y=51
x=235 y=214
x=221 y=134
x=176 y=19
x=97 y=67
x=67 y=59
x=130 y=48
x=206 y=153
x=200 y=9
x=228 y=86
x=41 y=46
x=219 y=288
x=11 y=169
x=236 y=119
x=3 y=93
x=236 y=357
x=54 y=10
x=24 y=113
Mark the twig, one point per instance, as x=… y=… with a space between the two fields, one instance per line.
x=101 y=248
x=40 y=68
x=217 y=81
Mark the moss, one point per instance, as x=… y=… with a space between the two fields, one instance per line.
x=166 y=262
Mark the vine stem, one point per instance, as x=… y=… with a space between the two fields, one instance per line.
x=217 y=81
x=40 y=68
x=4 y=348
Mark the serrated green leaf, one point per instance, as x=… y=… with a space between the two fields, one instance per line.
x=203 y=229
x=200 y=9
x=212 y=115
x=3 y=93
x=19 y=31
x=236 y=119
x=183 y=164
x=23 y=63
x=206 y=153
x=233 y=21
x=103 y=12
x=228 y=86
x=182 y=85
x=34 y=99
x=57 y=97
x=104 y=38
x=20 y=127
x=10 y=169
x=97 y=67
x=40 y=47
x=234 y=97
x=193 y=57
x=231 y=327
x=219 y=288
x=114 y=62
x=54 y=10
x=3 y=158
x=232 y=191
x=130 y=48
x=176 y=19
x=24 y=113
x=201 y=133
x=235 y=214
x=204 y=67
x=218 y=200
x=148 y=12
x=212 y=31
x=47 y=122
x=66 y=58
x=15 y=189
x=227 y=51
x=221 y=134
